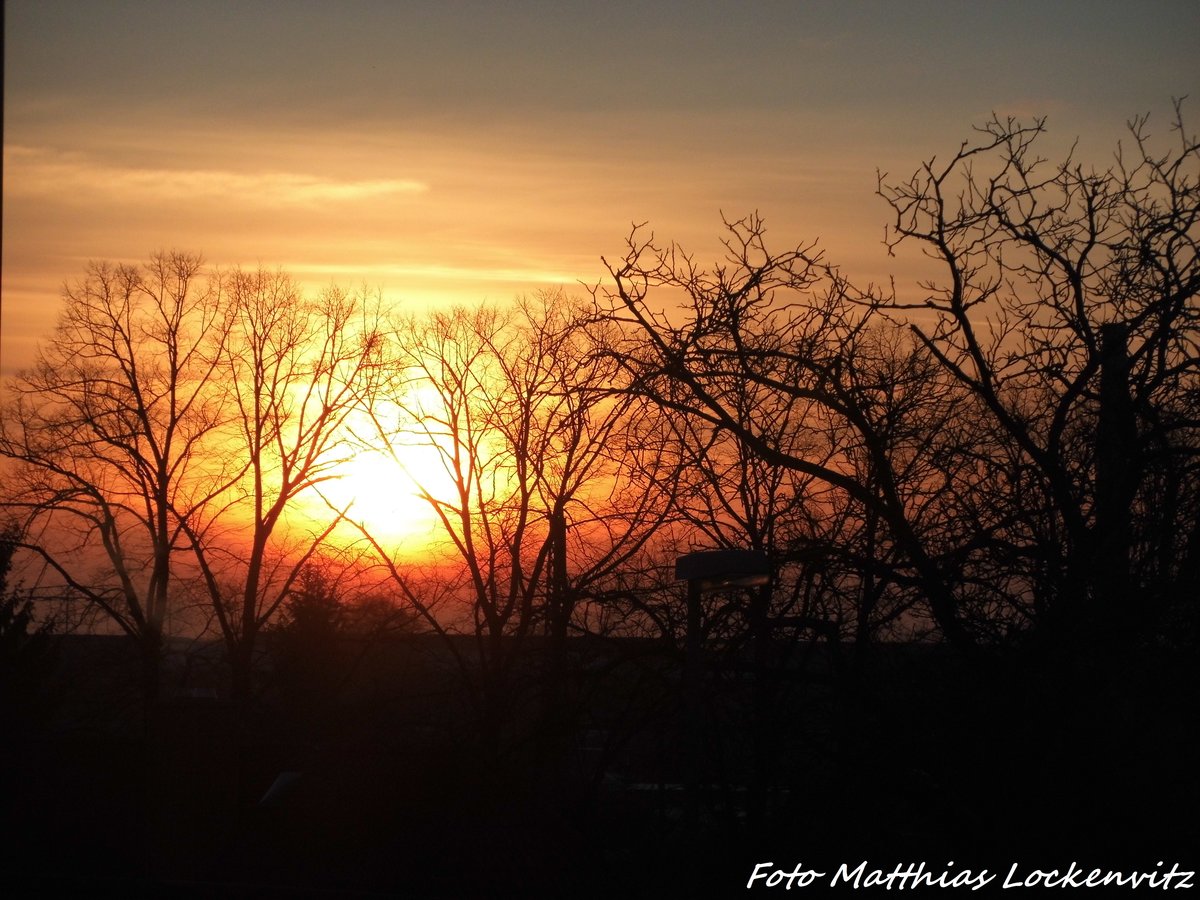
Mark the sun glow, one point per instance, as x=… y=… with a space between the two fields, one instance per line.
x=385 y=496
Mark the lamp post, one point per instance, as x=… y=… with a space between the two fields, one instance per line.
x=707 y=571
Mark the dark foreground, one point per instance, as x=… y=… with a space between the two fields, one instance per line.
x=385 y=783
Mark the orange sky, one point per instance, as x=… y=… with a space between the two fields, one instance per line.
x=455 y=152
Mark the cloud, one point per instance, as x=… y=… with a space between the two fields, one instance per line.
x=42 y=172
x=401 y=271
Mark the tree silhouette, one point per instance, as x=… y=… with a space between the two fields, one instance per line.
x=294 y=372
x=1024 y=463
x=791 y=332
x=109 y=434
x=1066 y=313
x=167 y=433
x=541 y=516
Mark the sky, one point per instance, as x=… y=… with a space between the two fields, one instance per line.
x=466 y=152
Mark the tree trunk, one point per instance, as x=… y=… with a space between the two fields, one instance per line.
x=1117 y=475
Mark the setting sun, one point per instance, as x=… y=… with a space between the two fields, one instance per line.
x=385 y=496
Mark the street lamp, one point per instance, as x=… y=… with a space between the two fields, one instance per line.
x=706 y=571
x=715 y=570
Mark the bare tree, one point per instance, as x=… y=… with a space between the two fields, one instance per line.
x=1025 y=462
x=783 y=354
x=168 y=433
x=109 y=432
x=518 y=404
x=296 y=371
x=1066 y=311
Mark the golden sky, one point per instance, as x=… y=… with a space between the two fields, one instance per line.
x=468 y=151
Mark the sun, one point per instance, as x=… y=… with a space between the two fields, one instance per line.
x=384 y=495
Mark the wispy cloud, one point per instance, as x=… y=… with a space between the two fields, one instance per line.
x=45 y=172
x=402 y=271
